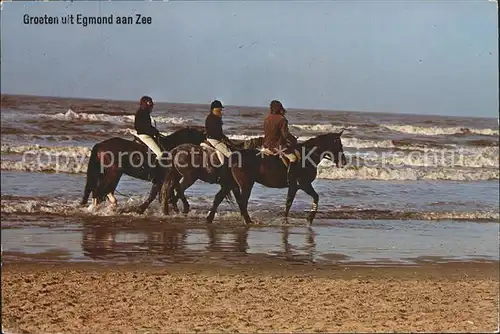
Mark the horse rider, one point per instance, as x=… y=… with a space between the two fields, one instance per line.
x=213 y=128
x=145 y=130
x=277 y=137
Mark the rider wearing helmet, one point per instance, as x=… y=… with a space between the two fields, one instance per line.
x=213 y=128
x=277 y=137
x=145 y=130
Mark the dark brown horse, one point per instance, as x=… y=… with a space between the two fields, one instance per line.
x=190 y=162
x=271 y=172
x=248 y=166
x=112 y=158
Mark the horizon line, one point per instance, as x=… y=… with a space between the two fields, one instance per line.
x=247 y=106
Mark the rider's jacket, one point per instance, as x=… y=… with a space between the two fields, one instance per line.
x=143 y=124
x=276 y=133
x=213 y=127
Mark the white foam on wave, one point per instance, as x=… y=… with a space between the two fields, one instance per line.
x=48 y=150
x=320 y=127
x=74 y=159
x=70 y=166
x=404 y=128
x=478 y=215
x=405 y=173
x=126 y=207
x=325 y=171
x=121 y=119
x=346 y=142
x=485 y=157
x=436 y=131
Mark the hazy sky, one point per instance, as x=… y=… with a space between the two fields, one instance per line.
x=438 y=57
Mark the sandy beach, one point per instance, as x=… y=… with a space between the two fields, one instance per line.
x=85 y=298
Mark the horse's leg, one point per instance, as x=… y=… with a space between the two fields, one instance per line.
x=187 y=181
x=244 y=185
x=292 y=191
x=98 y=192
x=112 y=183
x=171 y=184
x=243 y=207
x=308 y=189
x=174 y=199
x=112 y=199
x=219 y=197
x=155 y=189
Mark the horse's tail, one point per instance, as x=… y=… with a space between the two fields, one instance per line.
x=93 y=172
x=169 y=185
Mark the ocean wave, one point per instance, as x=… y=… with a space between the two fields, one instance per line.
x=70 y=166
x=47 y=150
x=325 y=171
x=436 y=131
x=321 y=127
x=383 y=153
x=120 y=119
x=406 y=173
x=372 y=214
x=126 y=207
x=485 y=158
x=346 y=142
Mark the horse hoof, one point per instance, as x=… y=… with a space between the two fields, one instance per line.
x=209 y=219
x=140 y=210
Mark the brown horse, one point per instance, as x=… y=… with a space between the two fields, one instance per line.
x=112 y=158
x=190 y=162
x=271 y=172
x=248 y=166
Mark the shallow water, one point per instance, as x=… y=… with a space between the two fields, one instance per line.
x=417 y=188
x=330 y=242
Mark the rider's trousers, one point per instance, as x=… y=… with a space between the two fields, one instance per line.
x=149 y=141
x=220 y=147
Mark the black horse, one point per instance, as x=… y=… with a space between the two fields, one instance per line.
x=247 y=166
x=112 y=158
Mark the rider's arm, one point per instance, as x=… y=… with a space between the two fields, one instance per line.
x=153 y=130
x=213 y=128
x=143 y=124
x=285 y=133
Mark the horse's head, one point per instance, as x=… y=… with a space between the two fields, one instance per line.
x=330 y=146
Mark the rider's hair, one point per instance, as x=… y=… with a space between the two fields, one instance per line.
x=275 y=107
x=146 y=101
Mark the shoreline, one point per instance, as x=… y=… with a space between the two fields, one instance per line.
x=89 y=297
x=431 y=268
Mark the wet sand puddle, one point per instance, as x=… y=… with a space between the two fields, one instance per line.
x=328 y=242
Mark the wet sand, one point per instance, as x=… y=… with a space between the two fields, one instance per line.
x=139 y=298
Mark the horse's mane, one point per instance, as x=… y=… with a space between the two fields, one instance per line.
x=179 y=136
x=188 y=129
x=312 y=141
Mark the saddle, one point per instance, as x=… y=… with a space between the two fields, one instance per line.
x=140 y=142
x=284 y=159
